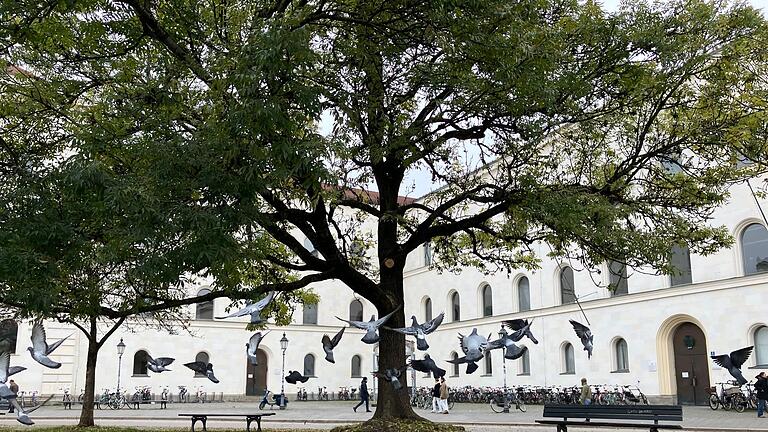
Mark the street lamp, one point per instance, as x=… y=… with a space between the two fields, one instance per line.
x=283 y=346
x=120 y=351
x=503 y=337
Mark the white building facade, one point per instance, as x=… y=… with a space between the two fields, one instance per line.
x=657 y=332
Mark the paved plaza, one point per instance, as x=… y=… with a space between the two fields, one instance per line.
x=325 y=415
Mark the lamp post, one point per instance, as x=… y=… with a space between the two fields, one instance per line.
x=120 y=351
x=503 y=336
x=283 y=346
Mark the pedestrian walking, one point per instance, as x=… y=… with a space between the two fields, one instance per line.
x=586 y=393
x=15 y=389
x=443 y=396
x=363 y=395
x=761 y=387
x=436 y=396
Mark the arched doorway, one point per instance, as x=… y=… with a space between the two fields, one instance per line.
x=256 y=378
x=691 y=364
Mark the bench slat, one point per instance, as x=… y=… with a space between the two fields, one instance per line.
x=607 y=424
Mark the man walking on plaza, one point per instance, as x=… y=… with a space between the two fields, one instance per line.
x=761 y=387
x=436 y=396
x=15 y=389
x=363 y=395
x=586 y=393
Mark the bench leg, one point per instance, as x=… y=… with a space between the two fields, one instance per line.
x=201 y=419
x=654 y=429
x=562 y=428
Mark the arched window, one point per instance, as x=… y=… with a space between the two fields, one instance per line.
x=524 y=294
x=567 y=288
x=9 y=333
x=525 y=364
x=140 y=363
x=356 y=310
x=309 y=365
x=622 y=356
x=488 y=365
x=487 y=300
x=761 y=346
x=310 y=314
x=204 y=310
x=356 y=366
x=681 y=261
x=569 y=361
x=428 y=309
x=455 y=367
x=617 y=273
x=455 y=307
x=202 y=357
x=754 y=249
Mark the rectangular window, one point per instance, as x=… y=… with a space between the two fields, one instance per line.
x=681 y=261
x=617 y=272
x=427 y=254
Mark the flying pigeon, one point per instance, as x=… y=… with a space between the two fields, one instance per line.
x=203 y=368
x=427 y=365
x=511 y=350
x=520 y=328
x=294 y=376
x=6 y=393
x=473 y=346
x=329 y=344
x=392 y=375
x=421 y=330
x=371 y=327
x=585 y=334
x=252 y=346
x=159 y=364
x=471 y=366
x=253 y=309
x=40 y=349
x=733 y=362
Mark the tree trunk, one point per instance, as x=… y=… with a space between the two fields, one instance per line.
x=86 y=415
x=391 y=403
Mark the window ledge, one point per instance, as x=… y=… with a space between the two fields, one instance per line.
x=760 y=366
x=524 y=374
x=356 y=376
x=487 y=375
x=568 y=373
x=140 y=376
x=454 y=376
x=621 y=371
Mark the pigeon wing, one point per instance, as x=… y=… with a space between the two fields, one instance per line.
x=327 y=342
x=420 y=366
x=515 y=324
x=13 y=370
x=432 y=325
x=357 y=324
x=242 y=312
x=581 y=330
x=56 y=344
x=722 y=360
x=498 y=343
x=738 y=357
x=458 y=360
x=410 y=331
x=164 y=361
x=261 y=304
x=38 y=338
x=337 y=338
x=384 y=319
x=255 y=340
x=5 y=363
x=198 y=366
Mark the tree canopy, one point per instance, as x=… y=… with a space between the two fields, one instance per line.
x=604 y=135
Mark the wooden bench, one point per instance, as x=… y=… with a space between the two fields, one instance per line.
x=203 y=418
x=636 y=413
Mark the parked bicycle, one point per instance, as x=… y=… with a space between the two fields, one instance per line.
x=503 y=401
x=183 y=394
x=727 y=398
x=301 y=395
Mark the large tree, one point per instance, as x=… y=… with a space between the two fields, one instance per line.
x=606 y=136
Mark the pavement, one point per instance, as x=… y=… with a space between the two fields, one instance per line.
x=326 y=415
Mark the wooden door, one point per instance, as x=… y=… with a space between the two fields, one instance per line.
x=256 y=378
x=691 y=365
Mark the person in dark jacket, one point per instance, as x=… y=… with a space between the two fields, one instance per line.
x=15 y=389
x=363 y=395
x=761 y=387
x=436 y=396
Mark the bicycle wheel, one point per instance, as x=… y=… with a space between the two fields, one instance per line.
x=451 y=403
x=497 y=405
x=261 y=405
x=714 y=401
x=739 y=403
x=521 y=406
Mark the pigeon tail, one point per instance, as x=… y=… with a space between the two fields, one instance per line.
x=370 y=338
x=329 y=357
x=471 y=367
x=533 y=339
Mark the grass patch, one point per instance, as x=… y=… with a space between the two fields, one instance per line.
x=382 y=425
x=137 y=429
